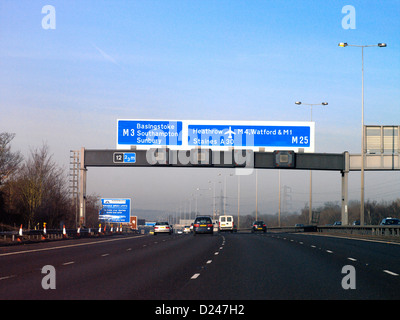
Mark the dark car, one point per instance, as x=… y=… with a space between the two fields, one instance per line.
x=259 y=226
x=390 y=222
x=203 y=224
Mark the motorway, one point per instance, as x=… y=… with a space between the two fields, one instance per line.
x=239 y=266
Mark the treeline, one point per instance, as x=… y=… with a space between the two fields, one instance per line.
x=329 y=213
x=374 y=211
x=35 y=190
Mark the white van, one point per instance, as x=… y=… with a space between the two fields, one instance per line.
x=226 y=223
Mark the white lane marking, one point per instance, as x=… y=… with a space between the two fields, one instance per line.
x=351 y=238
x=68 y=246
x=216 y=253
x=391 y=273
x=209 y=261
x=329 y=251
x=195 y=276
x=67 y=263
x=129 y=249
x=105 y=255
x=312 y=246
x=7 y=277
x=351 y=259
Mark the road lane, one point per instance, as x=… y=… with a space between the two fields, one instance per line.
x=296 y=266
x=183 y=267
x=150 y=267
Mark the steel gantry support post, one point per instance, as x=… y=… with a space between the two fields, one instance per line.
x=82 y=189
x=345 y=189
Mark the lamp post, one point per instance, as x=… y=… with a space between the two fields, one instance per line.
x=238 y=202
x=230 y=175
x=311 y=106
x=343 y=45
x=213 y=182
x=199 y=189
x=256 y=193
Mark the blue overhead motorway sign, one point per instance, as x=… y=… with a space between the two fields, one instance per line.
x=274 y=136
x=216 y=134
x=149 y=133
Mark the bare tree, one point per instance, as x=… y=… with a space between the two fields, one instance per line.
x=93 y=206
x=42 y=187
x=9 y=164
x=9 y=161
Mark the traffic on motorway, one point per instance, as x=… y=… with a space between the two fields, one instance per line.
x=205 y=224
x=225 y=266
x=201 y=225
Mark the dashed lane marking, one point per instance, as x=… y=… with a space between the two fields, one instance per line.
x=69 y=246
x=7 y=277
x=391 y=273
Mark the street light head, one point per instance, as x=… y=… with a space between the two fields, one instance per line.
x=298 y=102
x=343 y=44
x=324 y=103
x=382 y=45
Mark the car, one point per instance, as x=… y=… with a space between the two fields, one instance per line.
x=186 y=229
x=225 y=223
x=259 y=226
x=162 y=227
x=203 y=224
x=390 y=222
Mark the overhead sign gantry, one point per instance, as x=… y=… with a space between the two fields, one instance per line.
x=228 y=144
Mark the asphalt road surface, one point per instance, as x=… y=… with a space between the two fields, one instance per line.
x=239 y=266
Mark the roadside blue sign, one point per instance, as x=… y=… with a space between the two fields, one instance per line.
x=115 y=210
x=249 y=136
x=149 y=132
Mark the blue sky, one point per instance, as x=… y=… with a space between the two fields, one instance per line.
x=192 y=59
